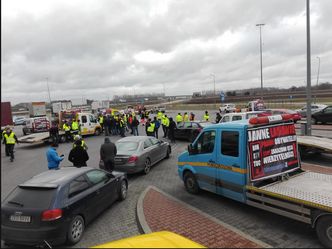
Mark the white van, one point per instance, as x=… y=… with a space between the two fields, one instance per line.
x=227 y=108
x=229 y=117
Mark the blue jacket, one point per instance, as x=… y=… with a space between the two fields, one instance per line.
x=53 y=159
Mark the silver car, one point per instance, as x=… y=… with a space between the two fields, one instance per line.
x=139 y=153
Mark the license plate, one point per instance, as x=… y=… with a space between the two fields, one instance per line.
x=20 y=218
x=118 y=160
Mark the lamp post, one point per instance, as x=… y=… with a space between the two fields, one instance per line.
x=308 y=130
x=318 y=69
x=261 y=54
x=48 y=89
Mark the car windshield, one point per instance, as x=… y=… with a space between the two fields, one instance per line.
x=127 y=146
x=31 y=197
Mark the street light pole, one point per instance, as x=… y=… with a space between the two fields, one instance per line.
x=261 y=54
x=308 y=130
x=48 y=89
x=318 y=69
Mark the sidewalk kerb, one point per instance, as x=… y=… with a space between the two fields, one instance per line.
x=140 y=217
x=213 y=219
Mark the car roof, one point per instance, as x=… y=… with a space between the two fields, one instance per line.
x=133 y=139
x=55 y=178
x=234 y=124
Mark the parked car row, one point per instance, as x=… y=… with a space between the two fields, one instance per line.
x=54 y=207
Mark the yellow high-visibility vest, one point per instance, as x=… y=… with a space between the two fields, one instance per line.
x=82 y=144
x=167 y=122
x=74 y=126
x=101 y=119
x=151 y=127
x=185 y=118
x=178 y=118
x=206 y=117
x=10 y=139
x=66 y=127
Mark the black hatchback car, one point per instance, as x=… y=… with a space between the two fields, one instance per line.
x=322 y=116
x=189 y=130
x=55 y=206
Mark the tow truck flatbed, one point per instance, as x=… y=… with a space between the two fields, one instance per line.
x=315 y=142
x=309 y=188
x=37 y=137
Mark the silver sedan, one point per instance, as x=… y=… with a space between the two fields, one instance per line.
x=139 y=153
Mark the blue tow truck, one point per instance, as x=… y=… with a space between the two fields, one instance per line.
x=257 y=162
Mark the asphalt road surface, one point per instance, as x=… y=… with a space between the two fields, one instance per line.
x=119 y=221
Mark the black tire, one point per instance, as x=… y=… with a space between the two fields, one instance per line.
x=97 y=132
x=169 y=150
x=75 y=230
x=313 y=120
x=190 y=183
x=123 y=190
x=324 y=230
x=147 y=166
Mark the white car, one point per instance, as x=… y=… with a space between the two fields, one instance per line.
x=229 y=117
x=314 y=108
x=226 y=108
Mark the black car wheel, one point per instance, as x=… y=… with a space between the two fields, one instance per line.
x=168 y=151
x=147 y=166
x=97 y=132
x=313 y=120
x=324 y=230
x=123 y=190
x=75 y=230
x=190 y=183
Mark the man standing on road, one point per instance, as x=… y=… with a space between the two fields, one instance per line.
x=150 y=128
x=206 y=116
x=53 y=159
x=171 y=130
x=134 y=126
x=10 y=140
x=178 y=118
x=185 y=117
x=107 y=154
x=218 y=117
x=165 y=125
x=78 y=155
x=54 y=133
x=156 y=127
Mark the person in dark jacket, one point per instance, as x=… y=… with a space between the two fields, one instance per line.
x=107 y=154
x=134 y=126
x=54 y=133
x=171 y=129
x=78 y=155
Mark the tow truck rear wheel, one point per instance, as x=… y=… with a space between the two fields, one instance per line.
x=190 y=183
x=324 y=230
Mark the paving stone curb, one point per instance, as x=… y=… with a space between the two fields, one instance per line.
x=141 y=221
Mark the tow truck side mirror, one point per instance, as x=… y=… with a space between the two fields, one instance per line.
x=191 y=149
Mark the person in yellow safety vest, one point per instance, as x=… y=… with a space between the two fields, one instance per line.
x=79 y=138
x=160 y=115
x=10 y=140
x=178 y=118
x=122 y=127
x=150 y=129
x=185 y=117
x=75 y=127
x=206 y=116
x=101 y=122
x=66 y=128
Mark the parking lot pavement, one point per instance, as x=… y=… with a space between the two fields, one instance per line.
x=119 y=220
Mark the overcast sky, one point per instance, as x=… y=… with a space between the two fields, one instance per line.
x=99 y=48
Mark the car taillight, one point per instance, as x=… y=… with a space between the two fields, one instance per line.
x=132 y=159
x=53 y=214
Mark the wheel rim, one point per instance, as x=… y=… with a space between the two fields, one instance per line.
x=190 y=183
x=147 y=166
x=329 y=232
x=77 y=229
x=123 y=189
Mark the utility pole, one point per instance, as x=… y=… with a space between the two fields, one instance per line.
x=48 y=89
x=318 y=69
x=308 y=130
x=261 y=54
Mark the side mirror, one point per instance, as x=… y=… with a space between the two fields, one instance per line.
x=191 y=149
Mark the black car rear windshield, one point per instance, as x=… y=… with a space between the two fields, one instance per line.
x=31 y=197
